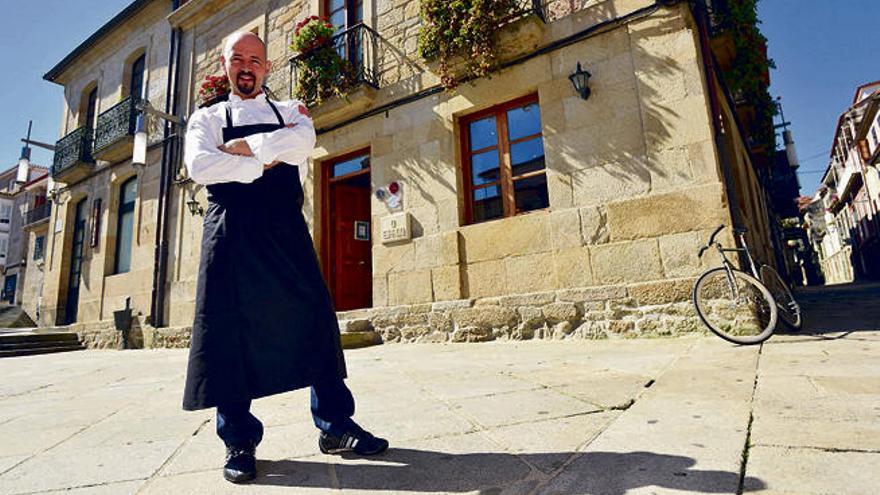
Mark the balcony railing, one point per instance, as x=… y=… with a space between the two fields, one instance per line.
x=352 y=52
x=37 y=214
x=526 y=8
x=115 y=130
x=73 y=151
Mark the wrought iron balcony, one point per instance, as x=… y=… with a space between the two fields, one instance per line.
x=114 y=134
x=338 y=66
x=37 y=214
x=526 y=8
x=73 y=155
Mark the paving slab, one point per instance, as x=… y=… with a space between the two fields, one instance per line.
x=571 y=417
x=809 y=471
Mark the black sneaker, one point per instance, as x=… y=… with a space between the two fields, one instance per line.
x=241 y=464
x=355 y=439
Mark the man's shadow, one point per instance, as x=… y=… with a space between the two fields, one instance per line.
x=603 y=473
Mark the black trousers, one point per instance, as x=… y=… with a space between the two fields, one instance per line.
x=332 y=408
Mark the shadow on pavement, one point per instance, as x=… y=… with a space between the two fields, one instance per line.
x=603 y=473
x=832 y=309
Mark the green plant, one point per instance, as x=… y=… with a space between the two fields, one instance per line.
x=322 y=72
x=747 y=76
x=463 y=28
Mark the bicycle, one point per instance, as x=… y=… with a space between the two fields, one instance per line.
x=741 y=307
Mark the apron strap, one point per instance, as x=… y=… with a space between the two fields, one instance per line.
x=271 y=105
x=228 y=117
x=277 y=113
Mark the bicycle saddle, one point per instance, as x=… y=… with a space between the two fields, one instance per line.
x=740 y=230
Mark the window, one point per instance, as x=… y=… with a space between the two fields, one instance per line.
x=4 y=245
x=344 y=14
x=91 y=108
x=136 y=87
x=503 y=161
x=5 y=213
x=38 y=247
x=125 y=225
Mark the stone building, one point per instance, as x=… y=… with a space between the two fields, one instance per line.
x=510 y=207
x=15 y=197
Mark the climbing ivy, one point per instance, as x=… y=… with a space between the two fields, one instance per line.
x=463 y=28
x=747 y=75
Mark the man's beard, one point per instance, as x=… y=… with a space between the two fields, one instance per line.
x=246 y=87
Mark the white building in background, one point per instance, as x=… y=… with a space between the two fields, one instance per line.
x=849 y=245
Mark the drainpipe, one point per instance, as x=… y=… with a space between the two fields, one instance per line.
x=170 y=151
x=715 y=107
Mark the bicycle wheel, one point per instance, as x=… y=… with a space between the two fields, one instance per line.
x=735 y=306
x=789 y=309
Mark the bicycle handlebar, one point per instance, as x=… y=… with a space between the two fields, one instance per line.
x=711 y=240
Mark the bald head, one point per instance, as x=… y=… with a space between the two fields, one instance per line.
x=245 y=37
x=245 y=64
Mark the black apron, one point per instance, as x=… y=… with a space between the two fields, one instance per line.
x=264 y=321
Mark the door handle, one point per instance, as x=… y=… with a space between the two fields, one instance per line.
x=362 y=263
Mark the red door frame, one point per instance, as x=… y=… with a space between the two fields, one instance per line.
x=326 y=229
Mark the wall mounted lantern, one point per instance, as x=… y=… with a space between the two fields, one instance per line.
x=580 y=79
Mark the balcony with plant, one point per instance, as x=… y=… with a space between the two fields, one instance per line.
x=468 y=39
x=330 y=65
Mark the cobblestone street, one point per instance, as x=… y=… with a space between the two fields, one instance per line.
x=573 y=417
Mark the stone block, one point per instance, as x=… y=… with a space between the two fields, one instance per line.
x=559 y=312
x=530 y=299
x=623 y=262
x=530 y=317
x=529 y=273
x=446 y=281
x=679 y=254
x=449 y=305
x=356 y=325
x=594 y=225
x=572 y=267
x=485 y=279
x=565 y=229
x=380 y=291
x=592 y=294
x=484 y=317
x=662 y=292
x=514 y=236
x=393 y=258
x=410 y=287
x=681 y=211
x=472 y=334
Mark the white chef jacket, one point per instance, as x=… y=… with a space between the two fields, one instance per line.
x=204 y=133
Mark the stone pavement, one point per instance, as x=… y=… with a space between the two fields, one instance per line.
x=574 y=417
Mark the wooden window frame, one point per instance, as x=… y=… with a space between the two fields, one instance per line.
x=327 y=179
x=506 y=179
x=122 y=209
x=350 y=7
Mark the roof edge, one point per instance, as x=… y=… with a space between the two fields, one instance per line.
x=132 y=9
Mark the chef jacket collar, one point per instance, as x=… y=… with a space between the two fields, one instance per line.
x=235 y=98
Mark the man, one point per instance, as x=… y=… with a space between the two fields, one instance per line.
x=264 y=322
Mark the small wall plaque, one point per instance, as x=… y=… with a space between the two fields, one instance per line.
x=361 y=231
x=396 y=228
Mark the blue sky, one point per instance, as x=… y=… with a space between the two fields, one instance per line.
x=823 y=49
x=38 y=34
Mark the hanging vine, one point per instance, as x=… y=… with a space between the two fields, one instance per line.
x=747 y=76
x=465 y=29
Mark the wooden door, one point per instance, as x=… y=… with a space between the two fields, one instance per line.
x=76 y=258
x=350 y=243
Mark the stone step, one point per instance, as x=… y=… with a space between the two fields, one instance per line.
x=30 y=343
x=46 y=349
x=23 y=338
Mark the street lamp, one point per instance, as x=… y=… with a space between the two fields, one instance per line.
x=580 y=79
x=139 y=153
